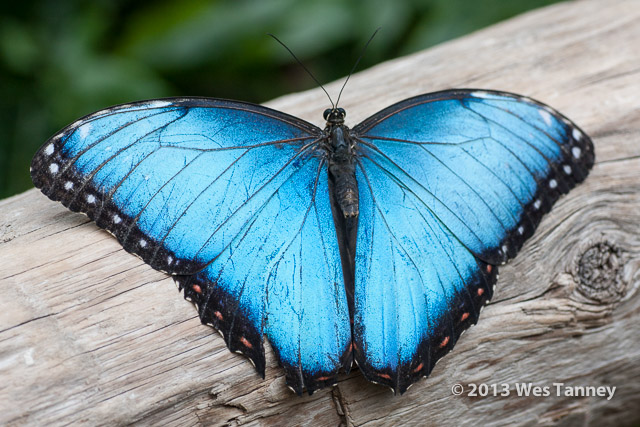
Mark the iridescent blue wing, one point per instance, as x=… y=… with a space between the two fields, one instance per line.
x=451 y=185
x=229 y=197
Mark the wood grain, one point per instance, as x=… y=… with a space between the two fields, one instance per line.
x=91 y=335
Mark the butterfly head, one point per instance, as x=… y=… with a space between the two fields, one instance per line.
x=334 y=116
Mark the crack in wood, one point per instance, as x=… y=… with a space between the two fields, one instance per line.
x=341 y=406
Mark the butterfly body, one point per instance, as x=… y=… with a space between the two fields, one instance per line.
x=377 y=244
x=341 y=155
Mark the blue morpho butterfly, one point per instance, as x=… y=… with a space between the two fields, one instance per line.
x=378 y=244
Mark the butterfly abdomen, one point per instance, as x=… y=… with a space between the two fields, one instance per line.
x=343 y=172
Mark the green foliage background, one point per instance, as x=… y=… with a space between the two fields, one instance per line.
x=60 y=60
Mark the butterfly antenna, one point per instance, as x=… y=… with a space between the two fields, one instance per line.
x=305 y=68
x=357 y=62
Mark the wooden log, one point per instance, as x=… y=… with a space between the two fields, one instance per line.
x=91 y=335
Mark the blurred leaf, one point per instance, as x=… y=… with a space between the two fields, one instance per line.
x=18 y=47
x=445 y=20
x=200 y=32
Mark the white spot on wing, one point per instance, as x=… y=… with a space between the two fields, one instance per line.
x=169 y=260
x=567 y=169
x=479 y=94
x=159 y=104
x=521 y=230
x=577 y=135
x=91 y=198
x=54 y=168
x=143 y=243
x=537 y=204
x=576 y=151
x=68 y=185
x=76 y=124
x=545 y=116
x=49 y=150
x=117 y=219
x=85 y=130
x=553 y=183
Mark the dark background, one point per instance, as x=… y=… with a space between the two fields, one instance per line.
x=61 y=60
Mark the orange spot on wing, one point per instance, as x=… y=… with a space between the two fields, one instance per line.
x=489 y=268
x=246 y=342
x=351 y=346
x=480 y=291
x=464 y=317
x=323 y=378
x=444 y=342
x=218 y=315
x=385 y=376
x=418 y=368
x=197 y=288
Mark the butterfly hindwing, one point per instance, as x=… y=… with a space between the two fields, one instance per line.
x=417 y=287
x=221 y=194
x=451 y=185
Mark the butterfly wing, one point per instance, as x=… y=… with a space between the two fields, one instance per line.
x=229 y=197
x=451 y=185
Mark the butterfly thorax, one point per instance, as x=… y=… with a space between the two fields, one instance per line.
x=341 y=154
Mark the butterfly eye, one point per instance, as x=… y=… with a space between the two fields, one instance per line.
x=342 y=113
x=326 y=113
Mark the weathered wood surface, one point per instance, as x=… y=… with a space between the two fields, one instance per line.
x=90 y=334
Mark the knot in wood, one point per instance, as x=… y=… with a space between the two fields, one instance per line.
x=600 y=273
